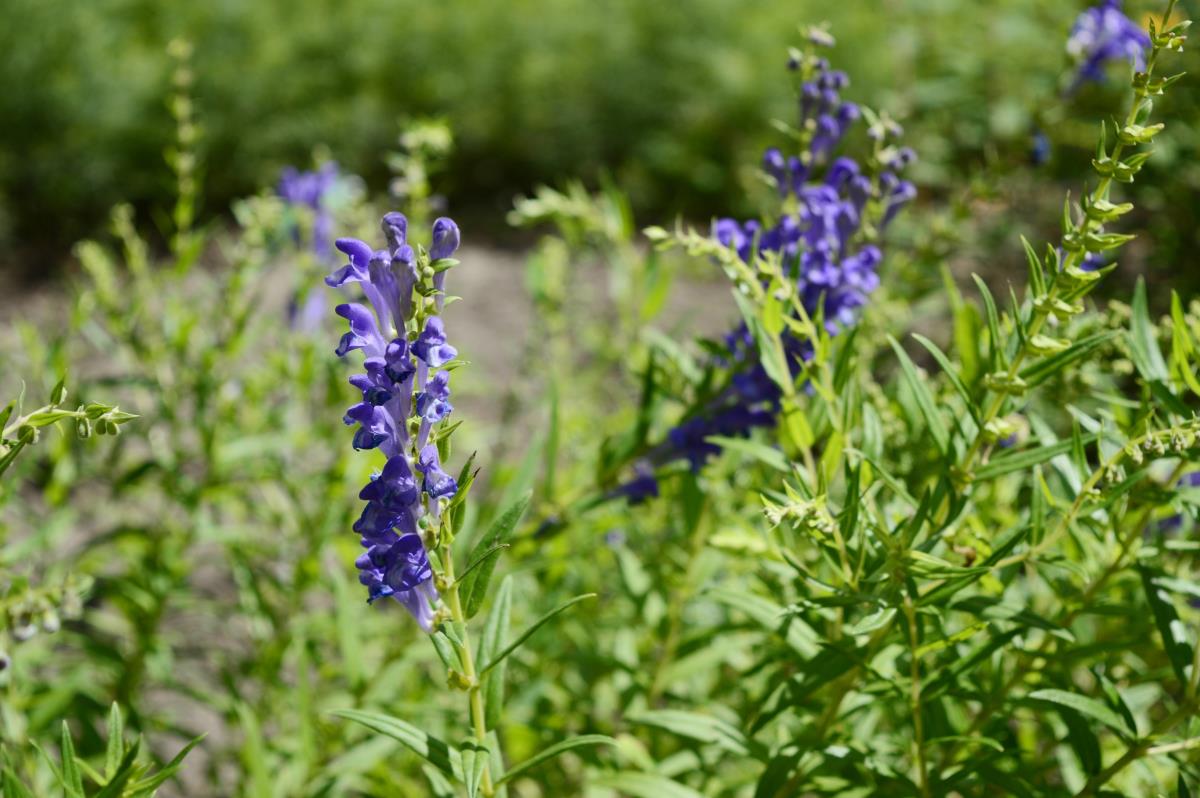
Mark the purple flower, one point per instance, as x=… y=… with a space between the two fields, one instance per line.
x=431 y=344
x=1102 y=34
x=398 y=365
x=1039 y=149
x=310 y=190
x=445 y=239
x=433 y=403
x=438 y=484
x=642 y=487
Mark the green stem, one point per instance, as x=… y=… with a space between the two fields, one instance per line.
x=915 y=697
x=675 y=613
x=475 y=687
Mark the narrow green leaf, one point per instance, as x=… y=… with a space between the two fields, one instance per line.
x=1040 y=370
x=1084 y=706
x=72 y=779
x=474 y=586
x=695 y=726
x=996 y=344
x=553 y=751
x=1182 y=346
x=116 y=741
x=799 y=635
x=115 y=788
x=1174 y=633
x=933 y=418
x=495 y=637
x=1026 y=458
x=1143 y=342
x=952 y=375
x=758 y=451
x=643 y=785
x=529 y=631
x=13 y=786
x=1037 y=280
x=147 y=786
x=474 y=760
x=444 y=757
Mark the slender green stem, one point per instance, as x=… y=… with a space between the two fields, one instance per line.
x=915 y=696
x=1074 y=258
x=475 y=687
x=675 y=608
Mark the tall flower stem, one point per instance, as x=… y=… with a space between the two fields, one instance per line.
x=474 y=687
x=1074 y=258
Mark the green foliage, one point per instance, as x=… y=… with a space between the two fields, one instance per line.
x=962 y=567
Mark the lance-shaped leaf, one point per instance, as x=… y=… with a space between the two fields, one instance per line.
x=1084 y=706
x=644 y=785
x=482 y=561
x=695 y=726
x=1026 y=458
x=495 y=637
x=1143 y=343
x=444 y=757
x=553 y=751
x=525 y=635
x=1174 y=633
x=925 y=403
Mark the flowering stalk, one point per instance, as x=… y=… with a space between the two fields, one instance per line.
x=1071 y=271
x=405 y=401
x=405 y=397
x=804 y=275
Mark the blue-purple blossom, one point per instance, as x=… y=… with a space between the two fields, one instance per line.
x=1102 y=34
x=431 y=344
x=832 y=208
x=398 y=365
x=1039 y=148
x=311 y=190
x=445 y=239
x=433 y=404
x=438 y=484
x=642 y=487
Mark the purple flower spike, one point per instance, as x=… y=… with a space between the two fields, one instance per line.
x=398 y=363
x=834 y=206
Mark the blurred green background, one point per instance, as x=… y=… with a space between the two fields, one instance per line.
x=673 y=100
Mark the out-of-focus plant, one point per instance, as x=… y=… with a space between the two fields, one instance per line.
x=123 y=775
x=19 y=430
x=425 y=145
